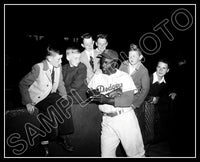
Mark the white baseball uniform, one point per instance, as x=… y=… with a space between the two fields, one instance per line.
x=123 y=127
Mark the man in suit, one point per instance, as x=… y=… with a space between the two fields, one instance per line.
x=89 y=57
x=43 y=88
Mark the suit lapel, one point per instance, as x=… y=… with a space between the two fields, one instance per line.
x=86 y=60
x=48 y=74
x=47 y=70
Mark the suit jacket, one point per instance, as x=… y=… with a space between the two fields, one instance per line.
x=75 y=79
x=161 y=90
x=84 y=59
x=141 y=80
x=37 y=84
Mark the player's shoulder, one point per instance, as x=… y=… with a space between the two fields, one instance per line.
x=122 y=73
x=99 y=75
x=124 y=76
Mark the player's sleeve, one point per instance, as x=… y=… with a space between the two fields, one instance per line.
x=128 y=89
x=128 y=84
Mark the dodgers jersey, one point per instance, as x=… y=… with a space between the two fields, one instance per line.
x=107 y=83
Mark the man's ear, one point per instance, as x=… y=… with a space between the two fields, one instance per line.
x=167 y=70
x=67 y=57
x=141 y=56
x=49 y=58
x=82 y=45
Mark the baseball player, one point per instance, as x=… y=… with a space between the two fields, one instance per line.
x=119 y=123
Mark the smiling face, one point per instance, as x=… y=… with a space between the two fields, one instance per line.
x=108 y=66
x=88 y=44
x=101 y=44
x=162 y=69
x=73 y=56
x=134 y=57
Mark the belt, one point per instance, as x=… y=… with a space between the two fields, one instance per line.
x=113 y=114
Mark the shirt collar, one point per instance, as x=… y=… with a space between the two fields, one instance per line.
x=136 y=66
x=89 y=53
x=49 y=65
x=98 y=50
x=155 y=78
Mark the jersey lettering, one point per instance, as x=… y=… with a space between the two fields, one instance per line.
x=111 y=87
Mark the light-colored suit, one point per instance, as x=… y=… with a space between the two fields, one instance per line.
x=37 y=84
x=85 y=60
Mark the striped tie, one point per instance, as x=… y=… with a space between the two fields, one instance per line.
x=92 y=62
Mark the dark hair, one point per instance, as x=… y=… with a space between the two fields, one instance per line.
x=55 y=46
x=102 y=36
x=166 y=61
x=86 y=36
x=73 y=48
x=134 y=47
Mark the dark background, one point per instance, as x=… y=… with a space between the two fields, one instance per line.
x=124 y=24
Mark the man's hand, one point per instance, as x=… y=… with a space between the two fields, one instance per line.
x=103 y=99
x=91 y=93
x=155 y=100
x=30 y=108
x=172 y=95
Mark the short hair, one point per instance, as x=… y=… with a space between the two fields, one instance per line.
x=102 y=36
x=72 y=48
x=86 y=36
x=134 y=47
x=166 y=61
x=54 y=46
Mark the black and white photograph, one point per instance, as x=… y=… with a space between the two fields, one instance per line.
x=99 y=80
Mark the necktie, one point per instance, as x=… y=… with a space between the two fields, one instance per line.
x=52 y=75
x=92 y=62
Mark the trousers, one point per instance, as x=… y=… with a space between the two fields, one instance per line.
x=55 y=116
x=122 y=128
